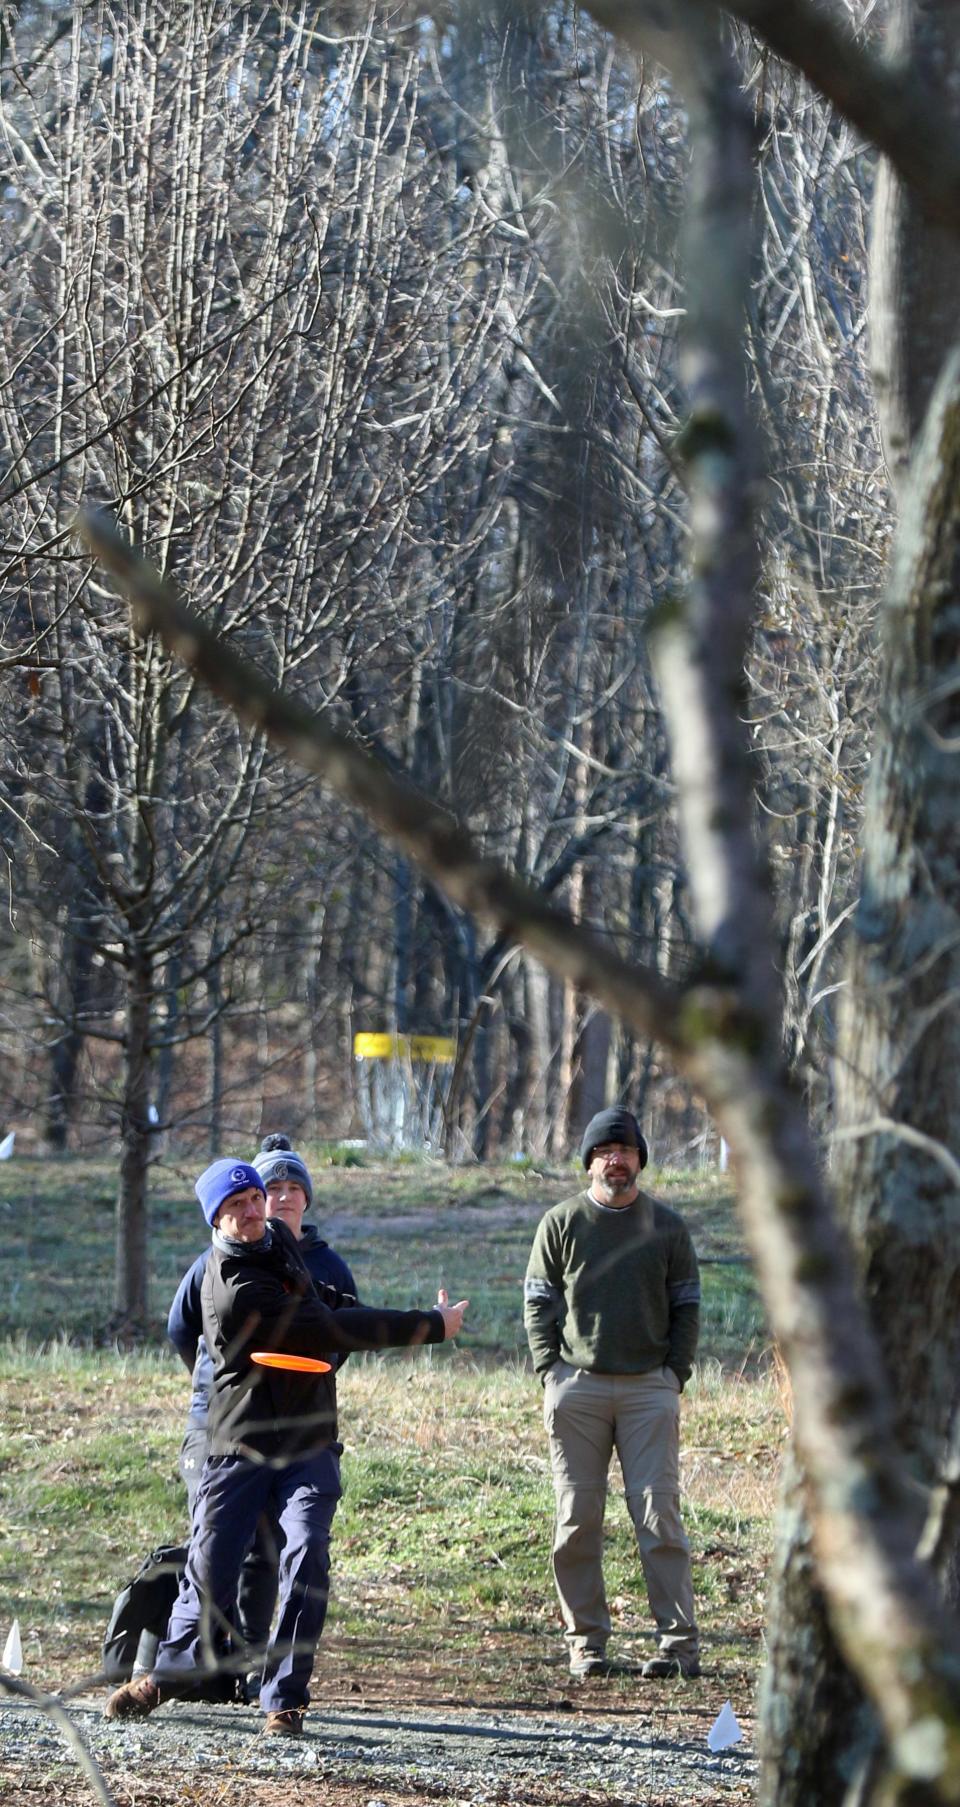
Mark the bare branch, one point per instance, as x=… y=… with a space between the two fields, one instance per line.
x=888 y=1126
x=894 y=110
x=428 y=834
x=54 y=1710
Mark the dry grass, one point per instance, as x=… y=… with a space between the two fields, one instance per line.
x=734 y=1427
x=445 y=1524
x=446 y=1516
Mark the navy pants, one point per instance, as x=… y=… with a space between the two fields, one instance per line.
x=257 y=1586
x=233 y=1493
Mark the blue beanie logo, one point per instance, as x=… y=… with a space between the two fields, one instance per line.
x=280 y=1172
x=222 y=1178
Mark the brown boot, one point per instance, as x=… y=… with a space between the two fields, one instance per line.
x=135 y=1700
x=287 y=1724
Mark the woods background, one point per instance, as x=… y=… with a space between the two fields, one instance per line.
x=365 y=324
x=378 y=330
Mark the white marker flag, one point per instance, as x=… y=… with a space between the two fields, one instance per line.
x=724 y=1730
x=12 y=1652
x=6 y=1146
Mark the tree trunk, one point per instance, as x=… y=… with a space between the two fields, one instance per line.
x=215 y=1056
x=898 y=1048
x=915 y=264
x=402 y=943
x=76 y=959
x=591 y=1092
x=898 y=1065
x=310 y=987
x=537 y=1103
x=816 y=1726
x=566 y=1070
x=166 y=1066
x=592 y=1055
x=520 y=1075
x=130 y=1282
x=76 y=966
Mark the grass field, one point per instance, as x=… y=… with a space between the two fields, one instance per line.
x=441 y=1544
x=405 y=1229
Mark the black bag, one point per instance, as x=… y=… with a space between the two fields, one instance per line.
x=141 y=1609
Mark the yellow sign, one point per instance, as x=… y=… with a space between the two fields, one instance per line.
x=432 y=1047
x=410 y=1047
x=374 y=1047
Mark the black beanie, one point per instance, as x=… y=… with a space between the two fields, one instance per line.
x=612 y=1126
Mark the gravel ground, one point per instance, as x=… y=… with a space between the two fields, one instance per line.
x=212 y=1757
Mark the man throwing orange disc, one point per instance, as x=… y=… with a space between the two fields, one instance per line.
x=273 y=1445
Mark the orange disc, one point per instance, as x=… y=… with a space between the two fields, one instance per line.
x=299 y=1364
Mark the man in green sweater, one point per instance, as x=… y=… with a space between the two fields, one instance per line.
x=612 y=1312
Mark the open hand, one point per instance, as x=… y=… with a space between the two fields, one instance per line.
x=452 y=1315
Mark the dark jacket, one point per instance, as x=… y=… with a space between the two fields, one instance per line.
x=259 y=1296
x=185 y=1324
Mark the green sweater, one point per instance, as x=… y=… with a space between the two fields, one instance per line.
x=615 y=1289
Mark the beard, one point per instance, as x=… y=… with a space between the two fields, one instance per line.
x=619 y=1180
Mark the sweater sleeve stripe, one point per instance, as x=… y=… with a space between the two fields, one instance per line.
x=540 y=1292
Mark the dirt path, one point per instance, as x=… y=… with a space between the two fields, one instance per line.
x=189 y=1756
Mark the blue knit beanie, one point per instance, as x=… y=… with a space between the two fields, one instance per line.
x=277 y=1161
x=219 y=1180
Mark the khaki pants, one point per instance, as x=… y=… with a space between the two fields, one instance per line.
x=588 y=1416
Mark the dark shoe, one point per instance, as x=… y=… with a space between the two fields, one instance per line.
x=588 y=1664
x=667 y=1668
x=286 y=1724
x=135 y=1700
